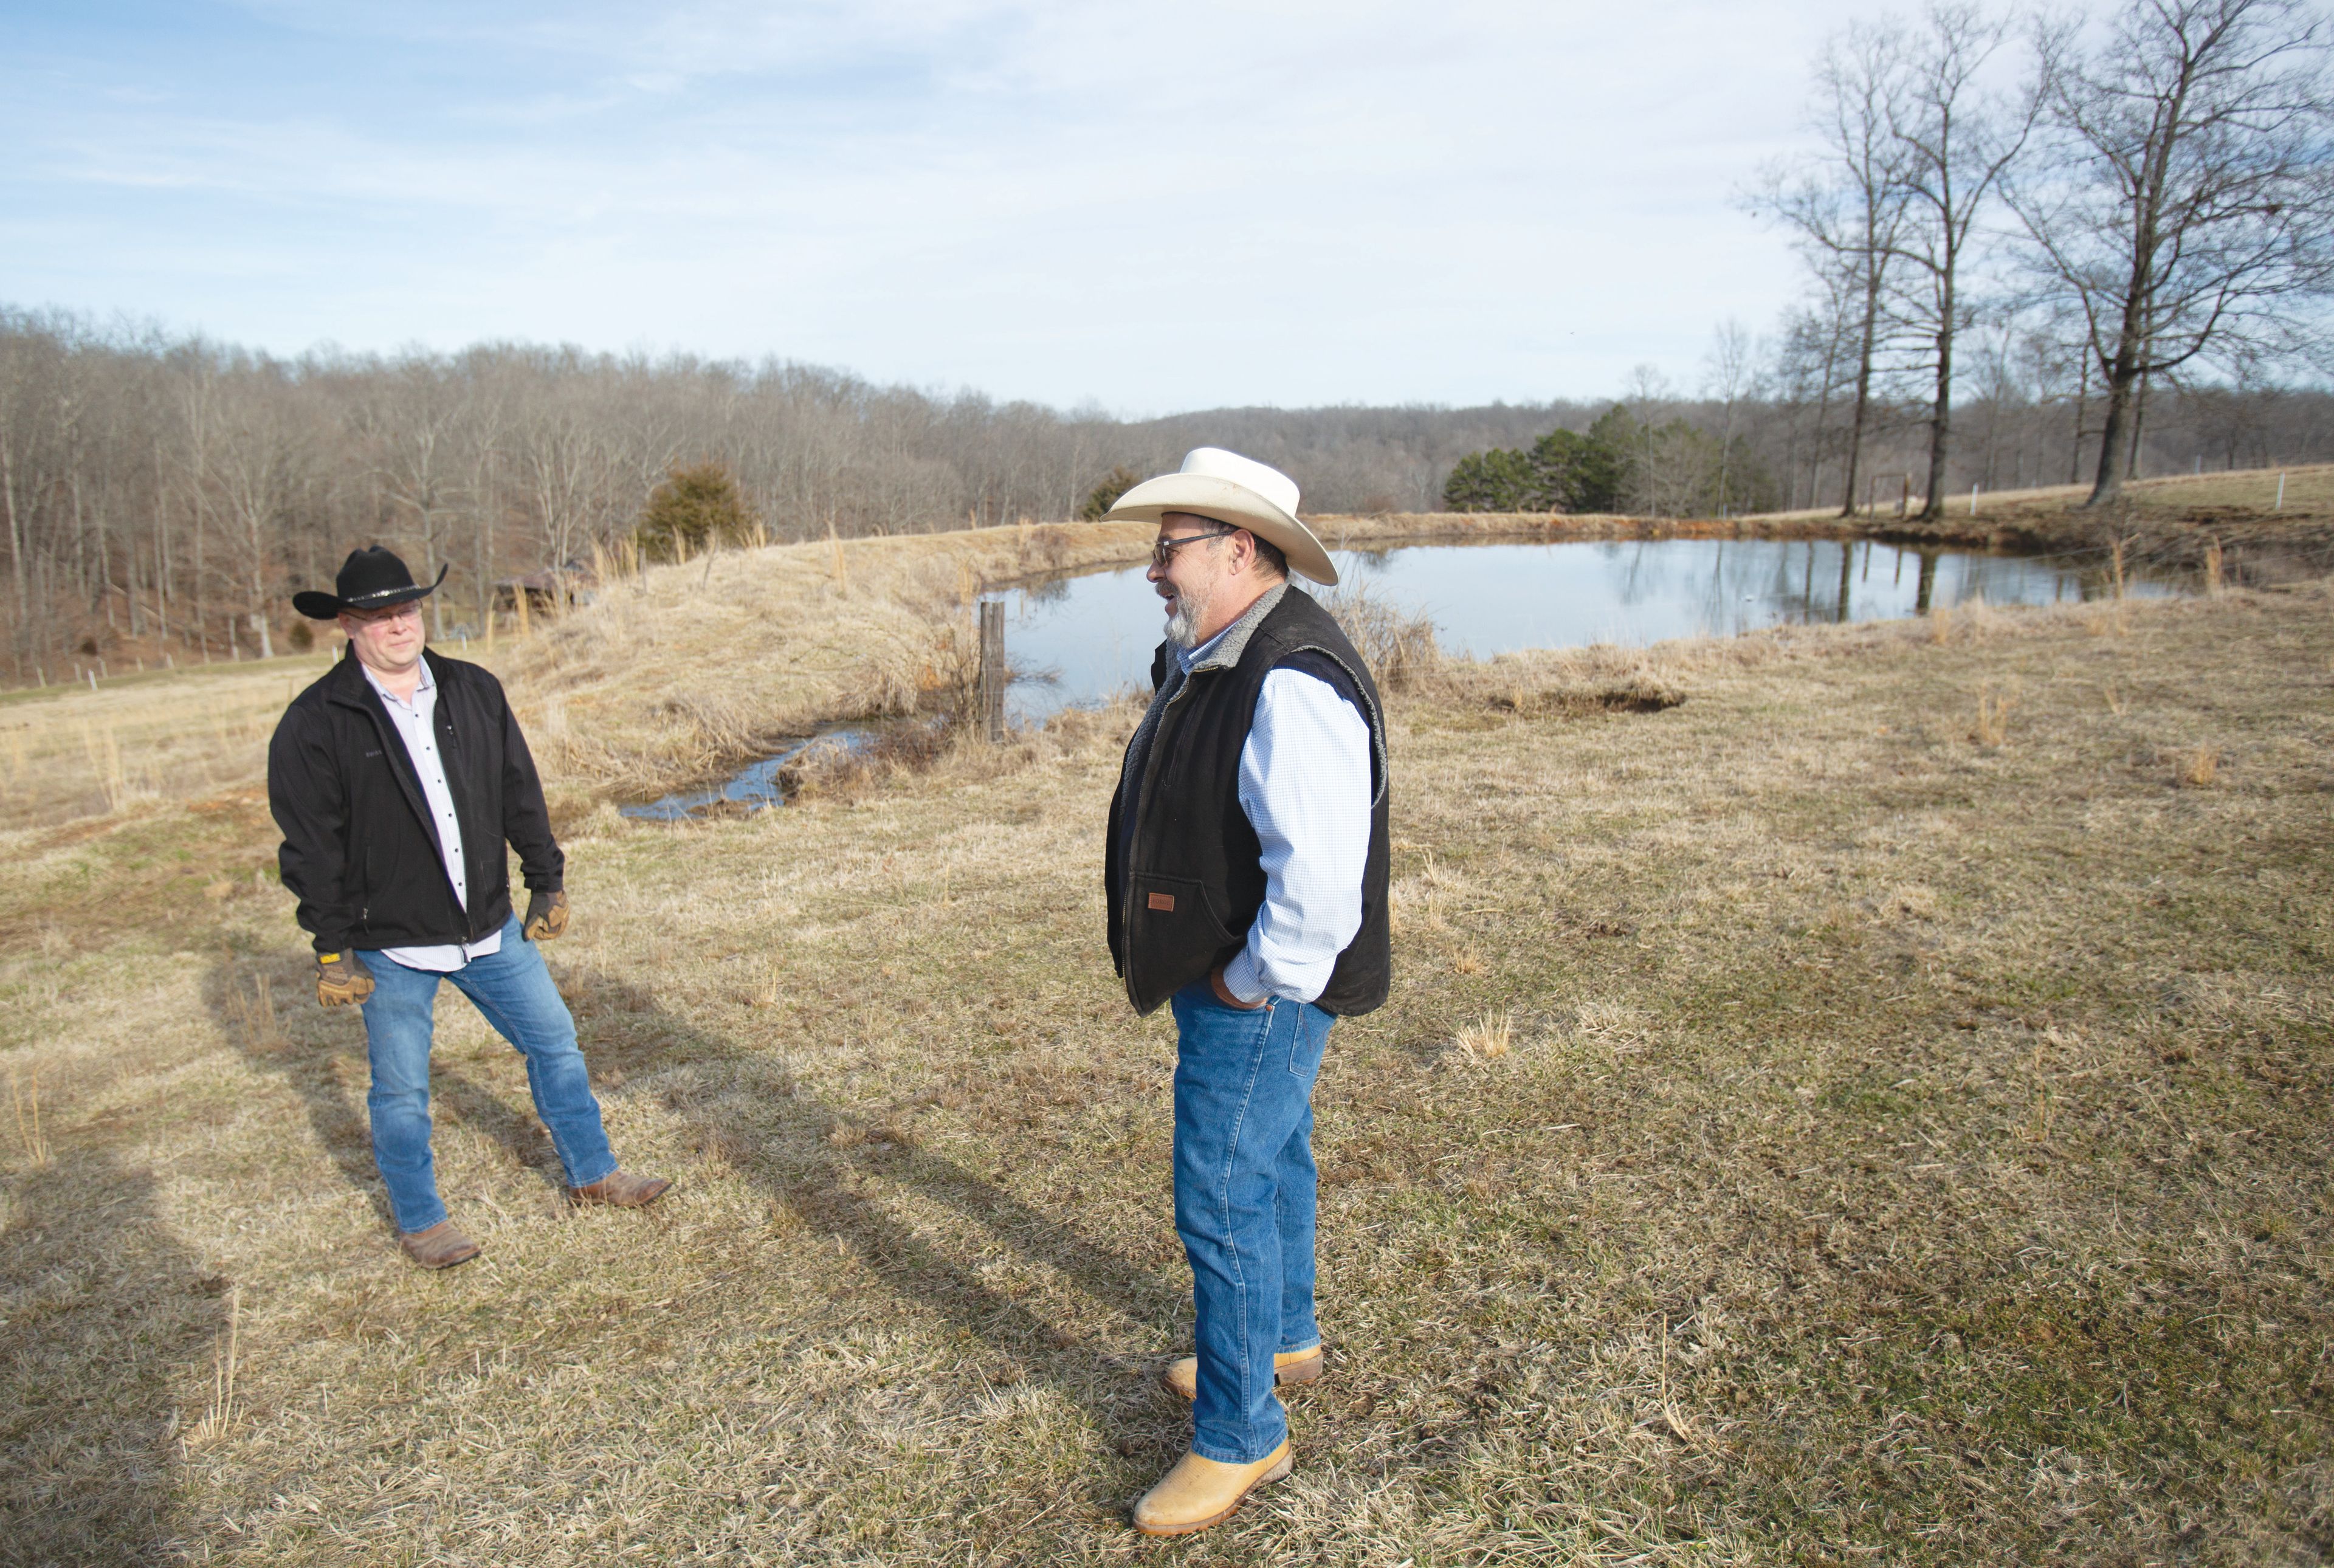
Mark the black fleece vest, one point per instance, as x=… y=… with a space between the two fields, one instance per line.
x=1182 y=868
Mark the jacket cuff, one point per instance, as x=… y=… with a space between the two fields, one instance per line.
x=539 y=883
x=1242 y=981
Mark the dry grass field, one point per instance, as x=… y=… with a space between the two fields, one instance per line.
x=139 y=740
x=1873 y=1110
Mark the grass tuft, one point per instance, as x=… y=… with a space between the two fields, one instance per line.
x=219 y=1414
x=1488 y=1037
x=1994 y=711
x=25 y=1102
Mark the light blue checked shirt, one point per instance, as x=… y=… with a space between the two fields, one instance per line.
x=1304 y=785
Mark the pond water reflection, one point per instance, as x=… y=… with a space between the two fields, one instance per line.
x=1080 y=639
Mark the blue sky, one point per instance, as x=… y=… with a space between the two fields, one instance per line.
x=1148 y=207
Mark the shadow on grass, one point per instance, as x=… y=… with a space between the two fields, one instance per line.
x=831 y=1173
x=264 y=1004
x=803 y=1154
x=106 y=1315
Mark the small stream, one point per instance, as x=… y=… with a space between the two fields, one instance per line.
x=1078 y=641
x=751 y=788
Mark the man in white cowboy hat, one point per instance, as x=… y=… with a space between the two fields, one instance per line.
x=1245 y=872
x=397 y=779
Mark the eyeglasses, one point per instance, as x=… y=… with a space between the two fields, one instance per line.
x=1165 y=551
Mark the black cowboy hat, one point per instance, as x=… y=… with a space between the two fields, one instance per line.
x=371 y=578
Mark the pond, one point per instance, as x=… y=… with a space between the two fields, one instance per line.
x=1076 y=641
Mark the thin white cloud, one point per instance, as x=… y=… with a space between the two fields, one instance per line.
x=1157 y=207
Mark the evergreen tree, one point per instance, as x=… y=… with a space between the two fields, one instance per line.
x=1104 y=496
x=1563 y=471
x=693 y=507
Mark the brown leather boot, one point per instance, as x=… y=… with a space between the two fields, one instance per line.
x=1181 y=1379
x=622 y=1190
x=440 y=1247
x=1199 y=1492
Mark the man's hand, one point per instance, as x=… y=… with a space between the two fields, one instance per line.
x=342 y=978
x=546 y=915
x=1223 y=992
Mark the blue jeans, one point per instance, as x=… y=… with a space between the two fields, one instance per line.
x=1244 y=1205
x=514 y=990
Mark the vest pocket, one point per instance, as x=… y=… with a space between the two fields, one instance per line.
x=1176 y=936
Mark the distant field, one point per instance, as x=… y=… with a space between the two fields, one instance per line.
x=1874 y=1111
x=2309 y=492
x=139 y=739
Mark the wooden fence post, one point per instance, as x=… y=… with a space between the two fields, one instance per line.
x=992 y=669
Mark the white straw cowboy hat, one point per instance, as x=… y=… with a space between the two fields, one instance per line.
x=1240 y=492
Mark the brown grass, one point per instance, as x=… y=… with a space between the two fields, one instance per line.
x=1993 y=718
x=1906 y=1150
x=141 y=740
x=677 y=674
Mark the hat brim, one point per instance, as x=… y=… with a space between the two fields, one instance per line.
x=318 y=606
x=1205 y=496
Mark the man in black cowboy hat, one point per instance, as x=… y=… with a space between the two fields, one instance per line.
x=397 y=779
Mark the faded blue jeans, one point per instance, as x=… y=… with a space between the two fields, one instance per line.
x=1244 y=1205
x=516 y=993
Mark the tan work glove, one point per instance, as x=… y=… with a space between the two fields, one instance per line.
x=342 y=978
x=546 y=915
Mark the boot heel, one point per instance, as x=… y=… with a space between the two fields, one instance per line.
x=1307 y=1370
x=1288 y=1463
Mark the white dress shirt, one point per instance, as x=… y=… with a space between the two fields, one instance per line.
x=1305 y=785
x=415 y=718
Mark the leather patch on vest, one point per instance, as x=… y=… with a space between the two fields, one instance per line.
x=1164 y=902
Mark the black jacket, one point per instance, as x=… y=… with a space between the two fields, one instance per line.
x=358 y=847
x=1182 y=868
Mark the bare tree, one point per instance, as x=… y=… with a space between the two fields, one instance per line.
x=1956 y=142
x=1847 y=203
x=2186 y=209
x=411 y=422
x=1728 y=371
x=259 y=450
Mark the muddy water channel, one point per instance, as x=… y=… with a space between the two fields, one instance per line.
x=1079 y=641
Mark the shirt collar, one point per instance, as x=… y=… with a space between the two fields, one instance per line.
x=1226 y=647
x=1187 y=657
x=427 y=683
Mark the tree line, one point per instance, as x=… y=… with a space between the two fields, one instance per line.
x=162 y=495
x=2088 y=249
x=2125 y=219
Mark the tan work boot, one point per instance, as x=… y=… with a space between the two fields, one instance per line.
x=1199 y=1492
x=621 y=1189
x=440 y=1247
x=1181 y=1379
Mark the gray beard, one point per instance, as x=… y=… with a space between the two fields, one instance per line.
x=1183 y=620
